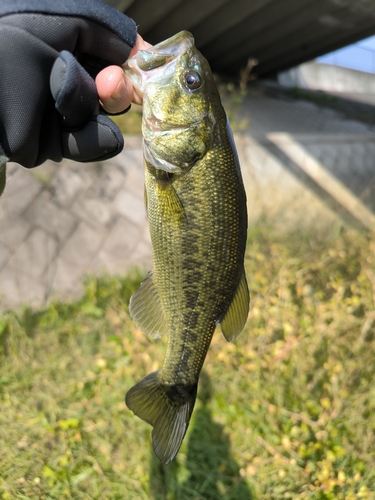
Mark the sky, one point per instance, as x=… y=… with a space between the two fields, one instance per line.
x=359 y=56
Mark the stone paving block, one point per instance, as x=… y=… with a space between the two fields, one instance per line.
x=20 y=181
x=267 y=169
x=357 y=151
x=123 y=238
x=369 y=158
x=342 y=157
x=314 y=149
x=107 y=184
x=132 y=158
x=267 y=114
x=66 y=280
x=142 y=255
x=113 y=263
x=343 y=166
x=18 y=288
x=12 y=168
x=135 y=181
x=5 y=255
x=55 y=220
x=94 y=206
x=328 y=157
x=20 y=191
x=132 y=141
x=81 y=248
x=95 y=212
x=66 y=185
x=327 y=186
x=255 y=157
x=368 y=195
x=274 y=192
x=36 y=253
x=107 y=262
x=87 y=172
x=13 y=231
x=131 y=206
x=10 y=293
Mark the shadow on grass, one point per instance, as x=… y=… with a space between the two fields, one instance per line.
x=209 y=472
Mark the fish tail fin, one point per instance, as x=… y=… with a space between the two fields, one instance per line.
x=167 y=408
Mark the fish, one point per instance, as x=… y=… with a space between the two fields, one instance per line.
x=196 y=208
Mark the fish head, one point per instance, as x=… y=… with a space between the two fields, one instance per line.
x=181 y=103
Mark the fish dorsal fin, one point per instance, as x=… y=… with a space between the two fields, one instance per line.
x=146 y=309
x=235 y=318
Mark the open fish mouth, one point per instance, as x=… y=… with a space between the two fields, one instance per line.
x=165 y=51
x=143 y=67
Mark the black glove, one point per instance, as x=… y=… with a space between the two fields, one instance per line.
x=50 y=51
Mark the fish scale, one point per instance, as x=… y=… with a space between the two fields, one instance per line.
x=197 y=215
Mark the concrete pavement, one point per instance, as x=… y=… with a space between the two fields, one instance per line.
x=302 y=165
x=62 y=221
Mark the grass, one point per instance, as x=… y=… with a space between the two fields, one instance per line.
x=130 y=122
x=287 y=411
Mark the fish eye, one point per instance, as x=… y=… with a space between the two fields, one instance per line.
x=192 y=80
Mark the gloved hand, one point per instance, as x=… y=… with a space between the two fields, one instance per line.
x=49 y=54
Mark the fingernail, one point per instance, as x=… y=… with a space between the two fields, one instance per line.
x=120 y=92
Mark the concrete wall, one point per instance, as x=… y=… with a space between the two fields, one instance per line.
x=317 y=76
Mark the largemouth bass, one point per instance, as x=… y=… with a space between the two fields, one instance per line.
x=196 y=207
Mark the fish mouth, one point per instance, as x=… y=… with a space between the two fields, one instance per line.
x=165 y=51
x=143 y=67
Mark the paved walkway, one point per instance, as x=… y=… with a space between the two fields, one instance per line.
x=62 y=221
x=301 y=165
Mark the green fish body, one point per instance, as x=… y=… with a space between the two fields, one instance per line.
x=196 y=207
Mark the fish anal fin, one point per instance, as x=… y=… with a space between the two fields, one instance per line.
x=146 y=309
x=167 y=408
x=235 y=318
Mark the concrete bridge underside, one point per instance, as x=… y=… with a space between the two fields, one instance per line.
x=280 y=34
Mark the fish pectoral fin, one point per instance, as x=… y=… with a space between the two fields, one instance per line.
x=170 y=205
x=235 y=318
x=167 y=408
x=146 y=309
x=174 y=203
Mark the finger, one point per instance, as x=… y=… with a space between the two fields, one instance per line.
x=73 y=90
x=140 y=44
x=114 y=89
x=99 y=139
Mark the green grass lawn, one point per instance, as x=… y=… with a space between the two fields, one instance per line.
x=287 y=411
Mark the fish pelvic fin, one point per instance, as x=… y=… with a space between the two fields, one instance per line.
x=146 y=309
x=167 y=408
x=236 y=316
